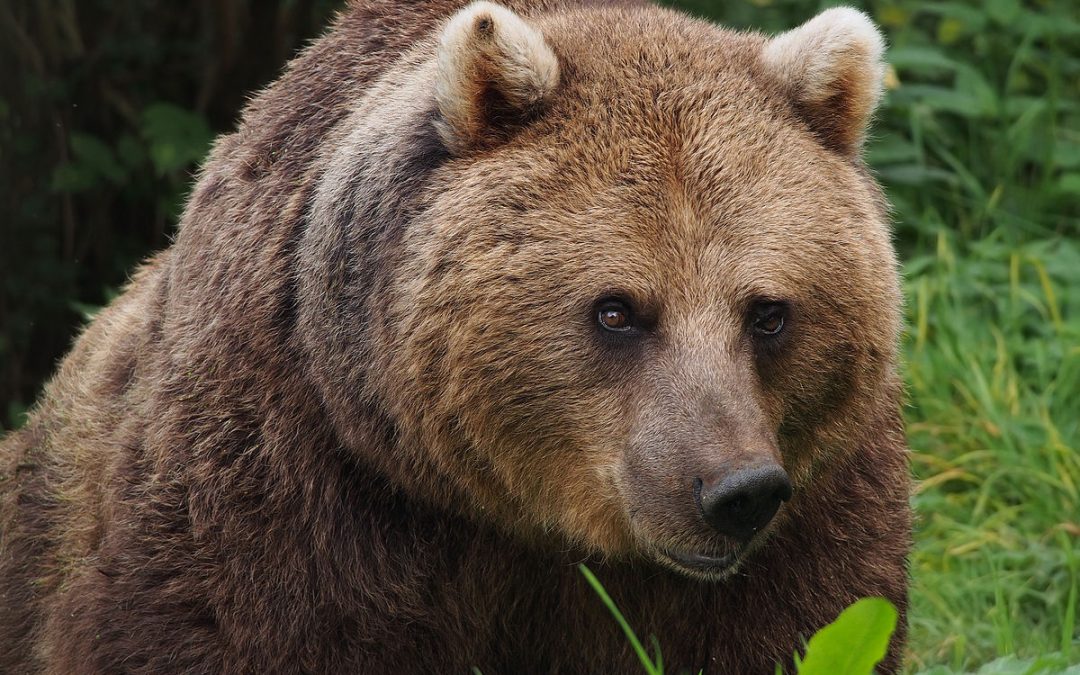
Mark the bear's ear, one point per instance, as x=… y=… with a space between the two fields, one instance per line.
x=832 y=68
x=494 y=70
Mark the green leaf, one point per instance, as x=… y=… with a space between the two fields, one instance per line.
x=130 y=152
x=177 y=138
x=854 y=643
x=916 y=174
x=891 y=149
x=944 y=99
x=1049 y=664
x=973 y=18
x=970 y=81
x=1003 y=11
x=93 y=153
x=1067 y=153
x=1053 y=24
x=72 y=178
x=92 y=162
x=921 y=60
x=950 y=30
x=1069 y=183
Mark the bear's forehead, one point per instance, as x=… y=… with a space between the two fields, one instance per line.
x=647 y=92
x=694 y=166
x=634 y=51
x=669 y=158
x=658 y=222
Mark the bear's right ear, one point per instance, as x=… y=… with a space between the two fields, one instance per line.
x=833 y=70
x=494 y=70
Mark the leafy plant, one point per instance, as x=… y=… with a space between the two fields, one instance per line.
x=177 y=138
x=851 y=645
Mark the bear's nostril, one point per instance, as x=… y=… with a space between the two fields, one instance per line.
x=743 y=502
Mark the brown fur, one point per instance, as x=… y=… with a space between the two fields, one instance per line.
x=358 y=418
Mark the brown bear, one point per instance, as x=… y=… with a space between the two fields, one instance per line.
x=475 y=294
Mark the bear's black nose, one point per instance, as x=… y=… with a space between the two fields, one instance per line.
x=741 y=503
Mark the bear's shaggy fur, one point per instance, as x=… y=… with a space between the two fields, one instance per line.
x=360 y=416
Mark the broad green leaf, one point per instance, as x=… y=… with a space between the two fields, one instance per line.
x=943 y=99
x=177 y=138
x=915 y=174
x=130 y=151
x=854 y=643
x=921 y=59
x=891 y=149
x=950 y=30
x=1050 y=664
x=972 y=17
x=1067 y=153
x=1069 y=184
x=1050 y=25
x=92 y=162
x=97 y=156
x=970 y=81
x=72 y=177
x=1002 y=11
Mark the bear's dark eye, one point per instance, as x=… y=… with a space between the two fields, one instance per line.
x=768 y=318
x=614 y=315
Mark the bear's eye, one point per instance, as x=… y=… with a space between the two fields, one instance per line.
x=614 y=316
x=768 y=318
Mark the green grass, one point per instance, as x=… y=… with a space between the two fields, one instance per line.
x=994 y=379
x=980 y=150
x=652 y=665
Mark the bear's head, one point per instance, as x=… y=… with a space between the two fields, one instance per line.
x=616 y=278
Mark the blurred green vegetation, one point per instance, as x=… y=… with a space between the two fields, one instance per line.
x=106 y=108
x=978 y=145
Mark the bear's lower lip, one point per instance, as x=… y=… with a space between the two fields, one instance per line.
x=702 y=564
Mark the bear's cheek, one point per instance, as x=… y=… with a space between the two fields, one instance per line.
x=555 y=431
x=814 y=389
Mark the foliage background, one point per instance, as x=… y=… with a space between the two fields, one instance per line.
x=107 y=106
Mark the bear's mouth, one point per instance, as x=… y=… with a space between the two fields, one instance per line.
x=701 y=565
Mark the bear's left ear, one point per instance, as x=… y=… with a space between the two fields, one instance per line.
x=832 y=68
x=494 y=70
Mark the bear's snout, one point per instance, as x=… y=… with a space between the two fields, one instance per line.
x=739 y=504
